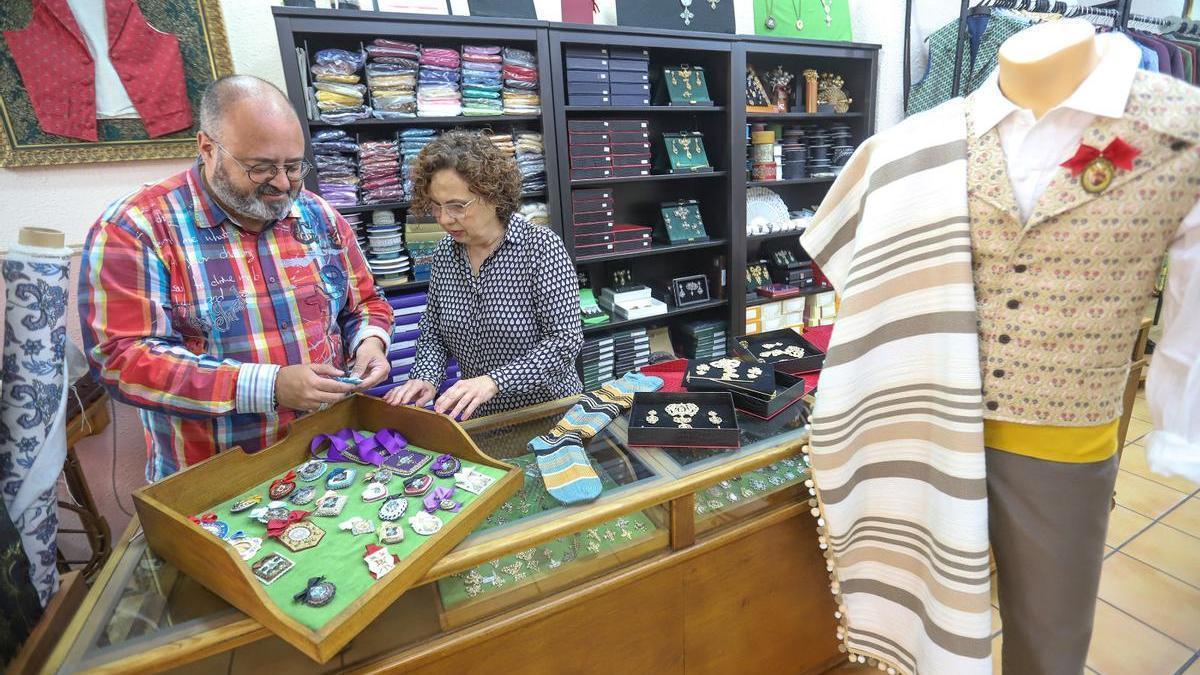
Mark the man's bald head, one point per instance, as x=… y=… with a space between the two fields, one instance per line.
x=235 y=96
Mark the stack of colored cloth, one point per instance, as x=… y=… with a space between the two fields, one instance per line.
x=438 y=90
x=386 y=255
x=392 y=78
x=411 y=142
x=504 y=143
x=379 y=172
x=535 y=212
x=531 y=160
x=481 y=80
x=422 y=234
x=520 y=83
x=337 y=88
x=337 y=171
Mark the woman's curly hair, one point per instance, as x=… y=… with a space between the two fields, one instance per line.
x=487 y=171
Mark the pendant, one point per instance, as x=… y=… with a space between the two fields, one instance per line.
x=245 y=504
x=217 y=528
x=391 y=534
x=393 y=508
x=1098 y=175
x=418 y=485
x=357 y=525
x=339 y=478
x=245 y=546
x=300 y=536
x=799 y=24
x=445 y=466
x=407 y=462
x=379 y=476
x=303 y=495
x=282 y=487
x=425 y=524
x=270 y=568
x=713 y=4
x=473 y=481
x=770 y=23
x=312 y=469
x=379 y=561
x=330 y=505
x=374 y=492
x=686 y=14
x=318 y=593
x=273 y=510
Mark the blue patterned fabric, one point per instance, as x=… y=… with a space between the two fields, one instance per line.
x=32 y=406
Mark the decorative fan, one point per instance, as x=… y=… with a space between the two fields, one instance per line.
x=765 y=211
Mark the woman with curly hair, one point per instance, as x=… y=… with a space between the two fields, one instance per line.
x=503 y=294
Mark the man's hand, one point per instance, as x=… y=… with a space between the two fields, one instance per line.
x=413 y=392
x=309 y=386
x=370 y=362
x=461 y=400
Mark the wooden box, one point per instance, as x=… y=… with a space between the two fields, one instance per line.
x=164 y=507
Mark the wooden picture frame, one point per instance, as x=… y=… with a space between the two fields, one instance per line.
x=204 y=45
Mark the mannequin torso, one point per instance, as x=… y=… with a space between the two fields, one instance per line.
x=1042 y=66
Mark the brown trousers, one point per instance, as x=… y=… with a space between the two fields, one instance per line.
x=1047 y=523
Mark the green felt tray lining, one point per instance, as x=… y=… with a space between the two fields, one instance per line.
x=339 y=556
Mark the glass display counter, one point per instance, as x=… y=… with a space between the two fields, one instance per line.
x=658 y=505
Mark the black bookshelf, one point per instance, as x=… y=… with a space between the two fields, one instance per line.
x=721 y=193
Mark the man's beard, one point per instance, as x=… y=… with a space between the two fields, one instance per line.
x=250 y=204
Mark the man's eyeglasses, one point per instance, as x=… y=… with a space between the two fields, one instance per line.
x=265 y=173
x=454 y=210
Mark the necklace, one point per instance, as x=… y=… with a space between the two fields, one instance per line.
x=827 y=5
x=799 y=21
x=686 y=14
x=770 y=22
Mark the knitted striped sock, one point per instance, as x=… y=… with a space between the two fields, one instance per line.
x=566 y=469
x=587 y=417
x=620 y=392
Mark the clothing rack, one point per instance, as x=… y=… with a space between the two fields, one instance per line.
x=1119 y=12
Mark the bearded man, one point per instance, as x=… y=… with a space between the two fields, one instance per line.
x=225 y=300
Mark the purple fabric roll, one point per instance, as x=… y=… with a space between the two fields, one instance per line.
x=410 y=300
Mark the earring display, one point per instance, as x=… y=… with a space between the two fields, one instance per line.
x=685 y=152
x=690 y=290
x=681 y=222
x=683 y=420
x=758 y=275
x=785 y=349
x=683 y=85
x=732 y=375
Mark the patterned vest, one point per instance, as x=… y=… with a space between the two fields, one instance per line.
x=937 y=84
x=1060 y=298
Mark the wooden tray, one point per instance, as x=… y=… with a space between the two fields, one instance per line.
x=164 y=507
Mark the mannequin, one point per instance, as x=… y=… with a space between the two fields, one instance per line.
x=994 y=257
x=1042 y=66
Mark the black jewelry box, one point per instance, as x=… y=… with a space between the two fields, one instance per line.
x=625 y=171
x=701 y=432
x=587 y=76
x=591 y=162
x=629 y=137
x=574 y=88
x=589 y=217
x=590 y=99
x=789 y=389
x=589 y=174
x=586 y=63
x=629 y=53
x=589 y=150
x=593 y=228
x=588 y=138
x=639 y=126
x=732 y=375
x=578 y=196
x=640 y=99
x=628 y=76
x=590 y=126
x=588 y=52
x=629 y=65
x=752 y=347
x=629 y=89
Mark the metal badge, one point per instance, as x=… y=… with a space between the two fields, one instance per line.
x=357 y=526
x=418 y=485
x=331 y=504
x=424 y=523
x=304 y=495
x=271 y=567
x=393 y=508
x=340 y=478
x=300 y=536
x=318 y=593
x=312 y=469
x=245 y=504
x=374 y=492
x=391 y=534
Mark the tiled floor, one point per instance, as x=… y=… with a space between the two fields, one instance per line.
x=1147 y=618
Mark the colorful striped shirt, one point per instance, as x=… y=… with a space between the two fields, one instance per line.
x=189 y=317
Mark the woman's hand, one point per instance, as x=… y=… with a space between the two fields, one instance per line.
x=413 y=392
x=461 y=400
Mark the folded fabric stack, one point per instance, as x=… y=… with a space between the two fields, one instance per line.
x=392 y=78
x=337 y=86
x=411 y=142
x=535 y=212
x=385 y=254
x=337 y=170
x=520 y=72
x=438 y=90
x=481 y=80
x=504 y=143
x=379 y=172
x=422 y=234
x=531 y=160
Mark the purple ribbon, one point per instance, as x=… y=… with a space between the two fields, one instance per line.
x=348 y=445
x=433 y=500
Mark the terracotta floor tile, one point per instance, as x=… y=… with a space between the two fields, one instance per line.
x=1133 y=460
x=1170 y=550
x=1186 y=517
x=1137 y=429
x=1141 y=411
x=1115 y=632
x=1145 y=496
x=1123 y=524
x=1153 y=597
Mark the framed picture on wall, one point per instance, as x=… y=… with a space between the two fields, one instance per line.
x=142 y=102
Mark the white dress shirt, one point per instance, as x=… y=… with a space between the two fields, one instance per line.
x=1034 y=149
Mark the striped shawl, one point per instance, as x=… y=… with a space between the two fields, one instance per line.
x=897 y=433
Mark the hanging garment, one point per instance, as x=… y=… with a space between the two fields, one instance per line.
x=987 y=33
x=60 y=73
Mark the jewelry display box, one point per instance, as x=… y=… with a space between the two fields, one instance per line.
x=754 y=348
x=683 y=85
x=165 y=510
x=685 y=152
x=707 y=421
x=681 y=222
x=757 y=388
